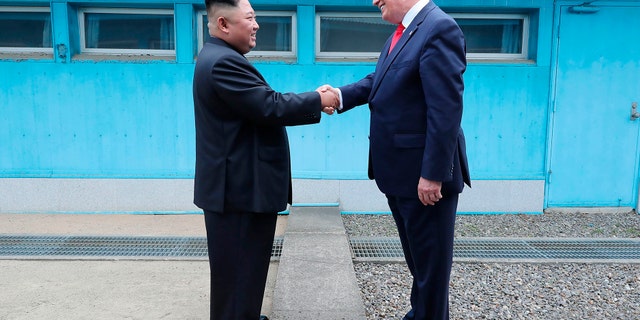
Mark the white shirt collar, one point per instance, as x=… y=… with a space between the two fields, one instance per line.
x=413 y=12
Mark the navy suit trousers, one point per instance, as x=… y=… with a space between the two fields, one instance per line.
x=426 y=234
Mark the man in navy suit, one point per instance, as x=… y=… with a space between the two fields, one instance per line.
x=417 y=148
x=243 y=174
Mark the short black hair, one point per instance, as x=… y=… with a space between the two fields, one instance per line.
x=210 y=3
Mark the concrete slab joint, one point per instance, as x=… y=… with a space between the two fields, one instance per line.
x=316 y=278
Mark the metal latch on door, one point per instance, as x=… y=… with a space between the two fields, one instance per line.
x=634 y=111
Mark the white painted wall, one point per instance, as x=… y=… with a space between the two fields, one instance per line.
x=25 y=195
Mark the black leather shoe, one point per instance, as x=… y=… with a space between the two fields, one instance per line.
x=263 y=317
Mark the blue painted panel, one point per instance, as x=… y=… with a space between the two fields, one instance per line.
x=505 y=120
x=88 y=119
x=185 y=33
x=135 y=119
x=59 y=18
x=594 y=151
x=306 y=21
x=338 y=146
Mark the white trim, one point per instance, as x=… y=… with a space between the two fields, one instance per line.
x=21 y=195
x=48 y=50
x=500 y=56
x=486 y=196
x=200 y=16
x=24 y=9
x=132 y=11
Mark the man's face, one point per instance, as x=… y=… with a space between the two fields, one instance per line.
x=243 y=27
x=393 y=10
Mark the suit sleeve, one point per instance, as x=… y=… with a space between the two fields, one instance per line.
x=442 y=64
x=241 y=87
x=357 y=93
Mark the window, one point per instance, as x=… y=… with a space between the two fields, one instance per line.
x=127 y=31
x=495 y=36
x=353 y=35
x=25 y=29
x=362 y=35
x=276 y=36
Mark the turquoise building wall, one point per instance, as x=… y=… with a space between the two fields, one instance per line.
x=77 y=116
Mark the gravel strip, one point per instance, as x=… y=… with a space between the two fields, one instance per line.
x=553 y=225
x=513 y=290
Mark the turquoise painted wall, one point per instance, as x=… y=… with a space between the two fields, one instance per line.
x=74 y=116
x=96 y=120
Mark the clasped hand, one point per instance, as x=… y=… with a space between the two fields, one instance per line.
x=329 y=97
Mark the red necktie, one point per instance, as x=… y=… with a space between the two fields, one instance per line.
x=396 y=36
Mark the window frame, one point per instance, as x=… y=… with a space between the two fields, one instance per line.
x=47 y=50
x=200 y=16
x=526 y=24
x=260 y=54
x=118 y=51
x=343 y=55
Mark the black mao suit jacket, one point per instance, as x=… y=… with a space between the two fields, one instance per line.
x=242 y=149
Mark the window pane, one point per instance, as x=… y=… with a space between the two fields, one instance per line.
x=492 y=35
x=353 y=34
x=25 y=29
x=129 y=31
x=274 y=33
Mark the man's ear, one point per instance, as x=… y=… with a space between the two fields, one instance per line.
x=222 y=24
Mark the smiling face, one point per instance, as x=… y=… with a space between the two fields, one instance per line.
x=236 y=25
x=393 y=11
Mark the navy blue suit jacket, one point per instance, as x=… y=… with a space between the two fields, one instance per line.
x=242 y=149
x=415 y=98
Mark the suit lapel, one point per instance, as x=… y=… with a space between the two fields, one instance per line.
x=386 y=58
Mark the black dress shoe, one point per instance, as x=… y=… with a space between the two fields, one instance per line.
x=263 y=317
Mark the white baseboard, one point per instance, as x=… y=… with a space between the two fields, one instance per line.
x=23 y=195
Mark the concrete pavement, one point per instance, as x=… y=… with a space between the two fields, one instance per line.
x=314 y=276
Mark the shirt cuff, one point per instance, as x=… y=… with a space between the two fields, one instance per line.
x=340 y=97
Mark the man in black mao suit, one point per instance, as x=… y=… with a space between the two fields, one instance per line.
x=417 y=148
x=242 y=175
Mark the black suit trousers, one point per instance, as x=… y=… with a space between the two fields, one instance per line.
x=426 y=234
x=239 y=246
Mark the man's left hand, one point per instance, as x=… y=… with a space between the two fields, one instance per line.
x=429 y=191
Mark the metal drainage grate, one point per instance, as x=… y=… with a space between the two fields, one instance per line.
x=363 y=249
x=382 y=249
x=73 y=247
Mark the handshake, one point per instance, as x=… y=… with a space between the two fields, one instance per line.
x=330 y=98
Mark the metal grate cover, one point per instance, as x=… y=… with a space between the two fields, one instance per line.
x=511 y=249
x=88 y=247
x=363 y=249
